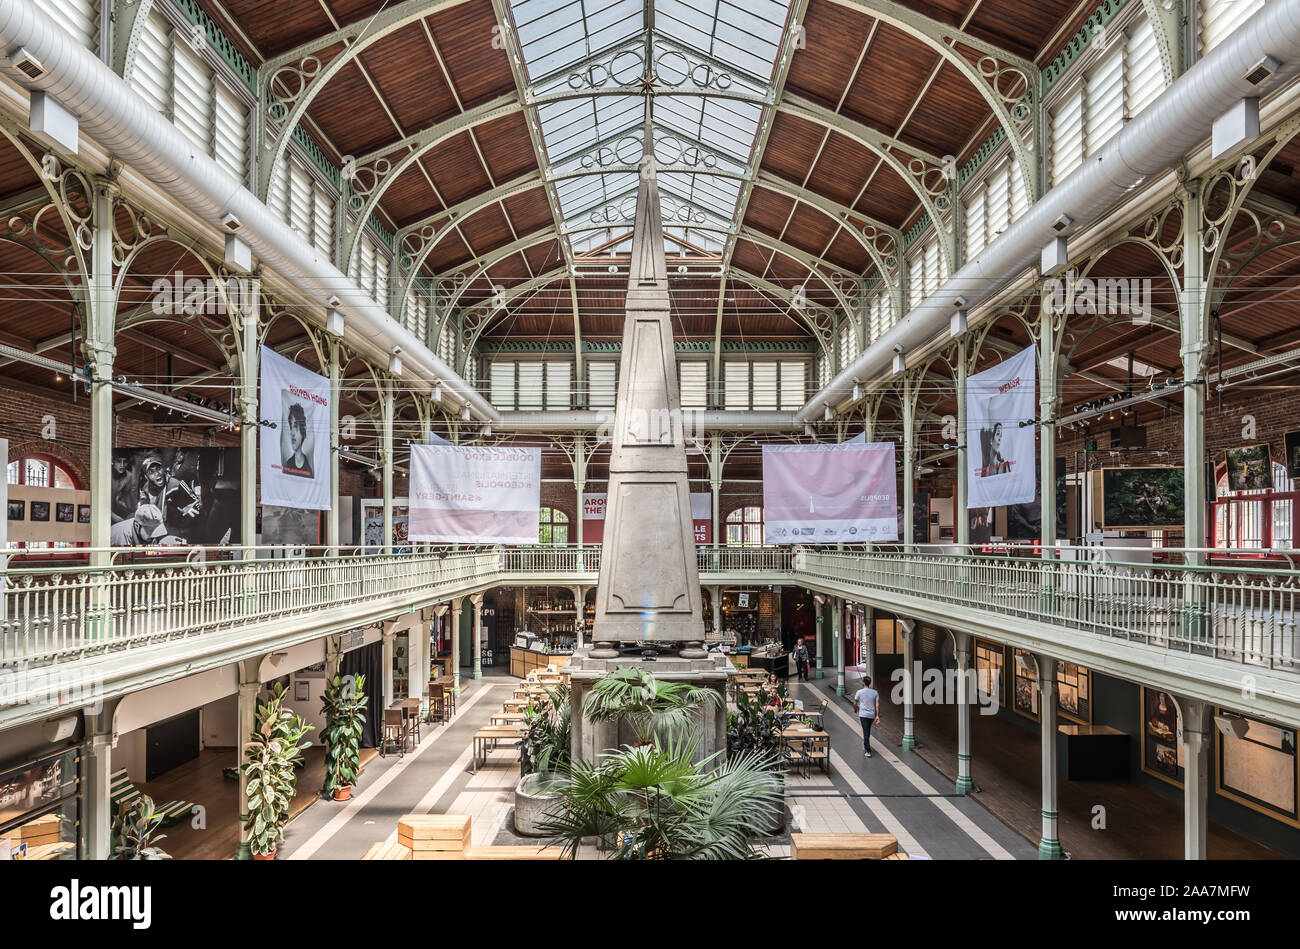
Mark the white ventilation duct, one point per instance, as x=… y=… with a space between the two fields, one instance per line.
x=116 y=117
x=592 y=421
x=1162 y=134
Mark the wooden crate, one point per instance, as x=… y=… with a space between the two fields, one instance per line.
x=385 y=850
x=842 y=846
x=434 y=836
x=36 y=833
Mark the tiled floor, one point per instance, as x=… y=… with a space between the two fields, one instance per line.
x=883 y=794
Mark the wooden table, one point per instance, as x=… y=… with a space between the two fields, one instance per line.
x=486 y=738
x=506 y=718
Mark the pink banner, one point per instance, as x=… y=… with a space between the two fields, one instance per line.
x=829 y=494
x=593 y=517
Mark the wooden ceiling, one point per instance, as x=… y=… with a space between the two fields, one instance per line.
x=435 y=68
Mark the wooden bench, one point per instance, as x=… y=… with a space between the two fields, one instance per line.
x=842 y=846
x=447 y=837
x=386 y=850
x=513 y=852
x=434 y=836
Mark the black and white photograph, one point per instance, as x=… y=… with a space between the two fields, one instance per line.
x=65 y=513
x=290 y=526
x=297 y=440
x=1250 y=468
x=17 y=510
x=40 y=511
x=175 y=496
x=83 y=513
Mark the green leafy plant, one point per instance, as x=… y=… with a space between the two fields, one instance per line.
x=652 y=802
x=344 y=705
x=755 y=726
x=133 y=831
x=545 y=745
x=648 y=705
x=271 y=757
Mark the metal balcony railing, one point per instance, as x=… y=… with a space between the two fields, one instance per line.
x=51 y=613
x=1247 y=615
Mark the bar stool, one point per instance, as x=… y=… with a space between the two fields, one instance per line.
x=394 y=732
x=437 y=704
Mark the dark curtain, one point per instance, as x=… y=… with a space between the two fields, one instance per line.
x=369 y=662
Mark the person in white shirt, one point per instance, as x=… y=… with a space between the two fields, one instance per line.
x=866 y=702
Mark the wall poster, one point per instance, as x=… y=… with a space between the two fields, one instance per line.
x=1250 y=468
x=1073 y=689
x=372 y=520
x=175 y=496
x=990 y=673
x=1259 y=769
x=1292 y=451
x=1145 y=498
x=1162 y=752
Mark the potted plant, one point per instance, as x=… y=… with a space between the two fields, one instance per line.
x=133 y=831
x=344 y=705
x=756 y=727
x=271 y=756
x=543 y=751
x=654 y=802
x=630 y=695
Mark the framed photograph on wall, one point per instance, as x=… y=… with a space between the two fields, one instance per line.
x=990 y=672
x=1144 y=498
x=83 y=513
x=1162 y=754
x=1292 y=450
x=64 y=513
x=17 y=510
x=301 y=690
x=1025 y=684
x=1257 y=766
x=1250 y=468
x=40 y=511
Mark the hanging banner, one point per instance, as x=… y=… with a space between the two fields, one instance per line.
x=830 y=494
x=1000 y=451
x=295 y=467
x=593 y=517
x=475 y=495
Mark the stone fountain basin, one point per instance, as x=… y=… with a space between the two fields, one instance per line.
x=533 y=797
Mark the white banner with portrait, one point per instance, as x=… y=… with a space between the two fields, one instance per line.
x=295 y=466
x=475 y=495
x=1000 y=451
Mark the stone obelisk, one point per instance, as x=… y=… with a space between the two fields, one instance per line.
x=649 y=588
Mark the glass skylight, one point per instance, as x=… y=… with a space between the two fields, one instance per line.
x=584 y=56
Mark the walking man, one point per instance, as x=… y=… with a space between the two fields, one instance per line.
x=866 y=702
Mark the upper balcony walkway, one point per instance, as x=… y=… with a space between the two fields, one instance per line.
x=1227 y=635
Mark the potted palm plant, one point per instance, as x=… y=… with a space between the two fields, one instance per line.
x=654 y=802
x=633 y=697
x=544 y=751
x=271 y=758
x=133 y=831
x=344 y=705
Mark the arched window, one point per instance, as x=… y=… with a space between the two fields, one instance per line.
x=1259 y=518
x=745 y=527
x=554 y=527
x=40 y=471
